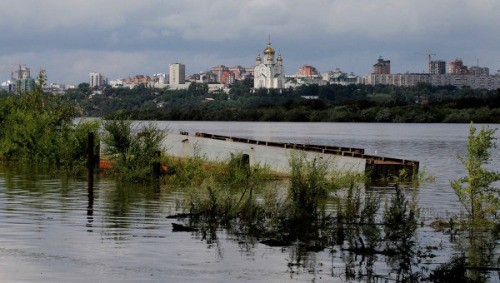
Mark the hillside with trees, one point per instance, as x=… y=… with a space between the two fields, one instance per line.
x=331 y=103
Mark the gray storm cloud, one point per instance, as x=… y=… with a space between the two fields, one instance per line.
x=122 y=38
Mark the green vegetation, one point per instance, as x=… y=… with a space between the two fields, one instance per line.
x=475 y=191
x=476 y=235
x=308 y=184
x=297 y=211
x=218 y=190
x=36 y=128
x=134 y=154
x=335 y=103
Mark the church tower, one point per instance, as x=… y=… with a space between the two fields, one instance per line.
x=269 y=73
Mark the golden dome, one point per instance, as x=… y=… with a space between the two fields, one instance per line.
x=258 y=58
x=269 y=50
x=279 y=58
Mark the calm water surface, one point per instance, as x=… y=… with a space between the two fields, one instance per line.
x=51 y=232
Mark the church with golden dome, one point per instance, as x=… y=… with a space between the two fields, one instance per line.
x=269 y=73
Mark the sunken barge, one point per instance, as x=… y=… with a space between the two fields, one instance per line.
x=276 y=154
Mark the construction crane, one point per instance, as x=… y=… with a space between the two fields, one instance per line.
x=429 y=57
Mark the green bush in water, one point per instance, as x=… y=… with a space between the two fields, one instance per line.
x=36 y=128
x=220 y=190
x=74 y=142
x=309 y=184
x=476 y=191
x=134 y=154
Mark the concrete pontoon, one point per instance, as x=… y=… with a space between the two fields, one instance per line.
x=276 y=155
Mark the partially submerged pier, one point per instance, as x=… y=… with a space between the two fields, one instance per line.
x=276 y=154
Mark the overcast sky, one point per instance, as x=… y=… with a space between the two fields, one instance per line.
x=122 y=38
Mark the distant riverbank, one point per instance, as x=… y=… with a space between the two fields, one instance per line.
x=311 y=103
x=345 y=113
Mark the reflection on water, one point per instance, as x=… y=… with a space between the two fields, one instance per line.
x=52 y=230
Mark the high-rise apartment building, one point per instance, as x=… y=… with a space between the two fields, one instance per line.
x=25 y=85
x=307 y=71
x=479 y=71
x=218 y=71
x=22 y=81
x=437 y=67
x=21 y=73
x=177 y=74
x=97 y=79
x=456 y=67
x=382 y=66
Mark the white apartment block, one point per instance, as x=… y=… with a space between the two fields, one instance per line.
x=97 y=79
x=408 y=80
x=177 y=74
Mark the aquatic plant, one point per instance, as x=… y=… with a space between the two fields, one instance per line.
x=224 y=189
x=309 y=184
x=74 y=152
x=135 y=154
x=452 y=271
x=475 y=191
x=400 y=225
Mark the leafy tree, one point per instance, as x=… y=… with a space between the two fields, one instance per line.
x=84 y=88
x=241 y=87
x=198 y=89
x=37 y=128
x=475 y=191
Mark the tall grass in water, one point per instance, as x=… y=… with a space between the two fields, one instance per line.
x=309 y=184
x=303 y=214
x=297 y=211
x=220 y=190
x=134 y=153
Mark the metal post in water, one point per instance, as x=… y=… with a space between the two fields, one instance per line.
x=90 y=162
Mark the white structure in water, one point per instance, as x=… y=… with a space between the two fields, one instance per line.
x=259 y=153
x=269 y=73
x=276 y=155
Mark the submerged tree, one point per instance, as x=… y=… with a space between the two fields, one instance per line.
x=475 y=191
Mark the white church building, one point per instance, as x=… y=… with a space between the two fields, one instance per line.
x=269 y=73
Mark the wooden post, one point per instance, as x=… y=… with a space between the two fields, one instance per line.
x=245 y=160
x=157 y=171
x=90 y=162
x=245 y=163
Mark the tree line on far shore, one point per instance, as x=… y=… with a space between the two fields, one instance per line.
x=308 y=103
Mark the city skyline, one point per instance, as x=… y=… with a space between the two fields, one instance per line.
x=125 y=38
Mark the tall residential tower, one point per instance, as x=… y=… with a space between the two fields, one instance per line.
x=437 y=67
x=97 y=80
x=177 y=74
x=382 y=66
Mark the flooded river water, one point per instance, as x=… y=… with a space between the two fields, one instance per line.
x=51 y=232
